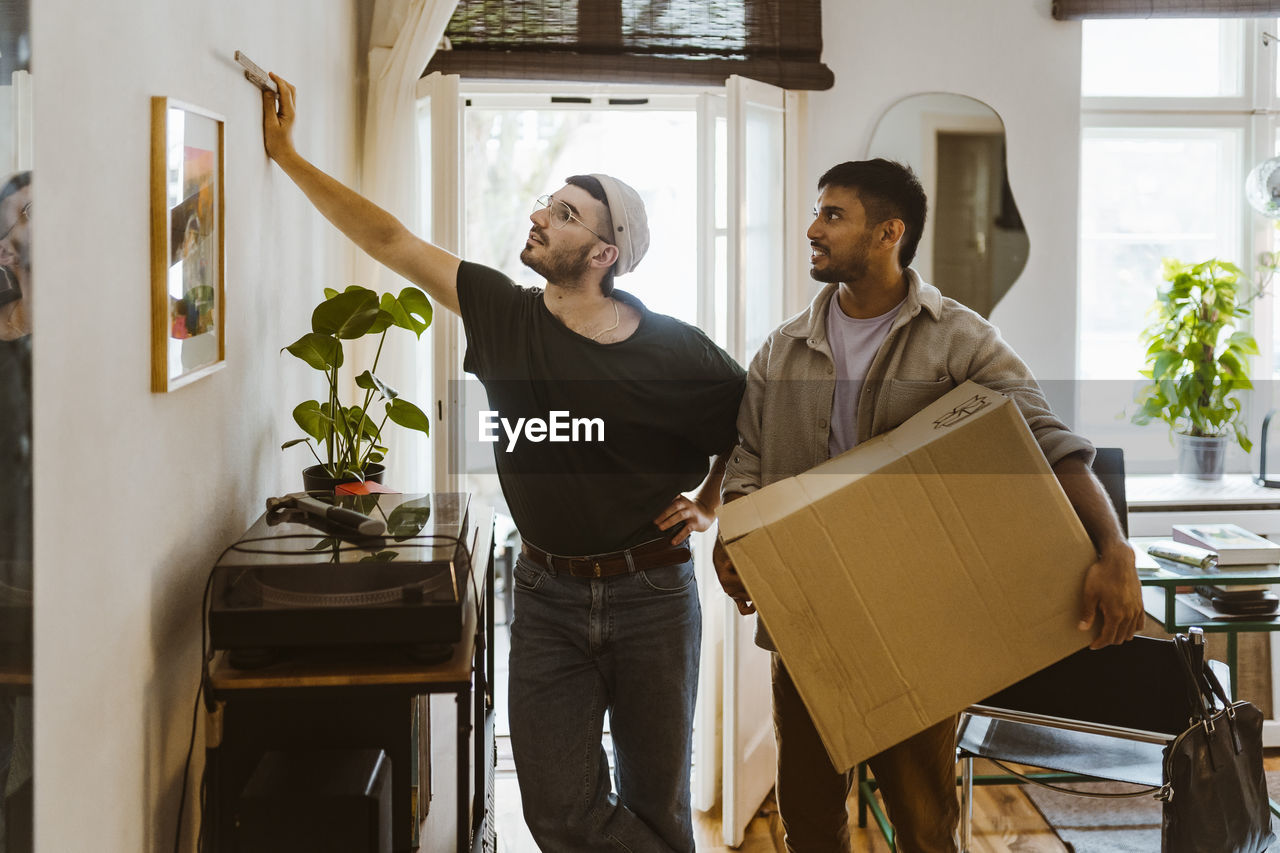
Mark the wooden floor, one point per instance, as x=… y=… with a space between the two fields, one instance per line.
x=1004 y=821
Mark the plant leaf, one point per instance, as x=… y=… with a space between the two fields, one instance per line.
x=414 y=311
x=370 y=382
x=322 y=352
x=360 y=425
x=347 y=315
x=381 y=322
x=1166 y=364
x=313 y=420
x=1244 y=342
x=1231 y=364
x=408 y=415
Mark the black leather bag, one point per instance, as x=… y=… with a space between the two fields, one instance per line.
x=1215 y=792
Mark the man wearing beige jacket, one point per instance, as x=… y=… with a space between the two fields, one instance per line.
x=874 y=347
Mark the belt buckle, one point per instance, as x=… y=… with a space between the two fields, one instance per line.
x=590 y=568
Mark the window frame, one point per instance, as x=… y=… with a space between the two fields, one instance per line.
x=1251 y=72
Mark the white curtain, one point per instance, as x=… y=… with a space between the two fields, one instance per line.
x=403 y=36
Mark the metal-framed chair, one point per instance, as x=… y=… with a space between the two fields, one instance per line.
x=1104 y=715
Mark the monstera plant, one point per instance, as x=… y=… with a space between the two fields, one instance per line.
x=349 y=437
x=1197 y=357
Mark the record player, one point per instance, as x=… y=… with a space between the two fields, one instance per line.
x=295 y=581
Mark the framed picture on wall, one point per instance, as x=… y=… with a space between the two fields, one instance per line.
x=188 y=317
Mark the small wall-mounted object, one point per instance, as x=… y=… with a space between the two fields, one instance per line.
x=1262 y=188
x=188 y=317
x=1262 y=479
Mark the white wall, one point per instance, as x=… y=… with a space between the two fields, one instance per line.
x=1012 y=55
x=139 y=492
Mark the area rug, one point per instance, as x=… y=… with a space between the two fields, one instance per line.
x=1090 y=825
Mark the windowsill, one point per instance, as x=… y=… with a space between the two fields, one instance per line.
x=1171 y=492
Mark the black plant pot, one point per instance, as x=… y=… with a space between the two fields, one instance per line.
x=316 y=479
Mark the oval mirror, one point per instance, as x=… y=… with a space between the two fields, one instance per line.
x=974 y=245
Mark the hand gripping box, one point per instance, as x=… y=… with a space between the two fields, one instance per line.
x=916 y=574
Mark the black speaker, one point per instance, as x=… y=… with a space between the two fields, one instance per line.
x=322 y=801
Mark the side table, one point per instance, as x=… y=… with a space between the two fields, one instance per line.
x=344 y=700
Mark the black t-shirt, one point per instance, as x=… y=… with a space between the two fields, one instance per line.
x=638 y=419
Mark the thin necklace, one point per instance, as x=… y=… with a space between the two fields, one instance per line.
x=615 y=320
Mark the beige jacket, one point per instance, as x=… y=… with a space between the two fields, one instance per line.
x=934 y=344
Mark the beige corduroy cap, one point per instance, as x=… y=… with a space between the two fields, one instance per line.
x=630 y=223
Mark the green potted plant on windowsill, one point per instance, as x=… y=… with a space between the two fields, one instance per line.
x=350 y=436
x=1197 y=362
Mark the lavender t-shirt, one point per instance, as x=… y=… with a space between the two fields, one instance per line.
x=854 y=343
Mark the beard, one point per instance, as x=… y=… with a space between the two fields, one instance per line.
x=562 y=266
x=851 y=267
x=852 y=271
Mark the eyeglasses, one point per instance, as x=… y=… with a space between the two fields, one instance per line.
x=24 y=213
x=559 y=214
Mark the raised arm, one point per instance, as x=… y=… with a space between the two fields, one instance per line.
x=370 y=227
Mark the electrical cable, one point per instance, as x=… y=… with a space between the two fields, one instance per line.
x=195 y=716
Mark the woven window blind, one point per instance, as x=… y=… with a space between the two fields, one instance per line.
x=1072 y=10
x=644 y=41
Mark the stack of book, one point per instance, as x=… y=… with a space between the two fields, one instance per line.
x=1237 y=550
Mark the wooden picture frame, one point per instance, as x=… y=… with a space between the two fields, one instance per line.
x=188 y=310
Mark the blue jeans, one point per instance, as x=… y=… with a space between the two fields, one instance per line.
x=628 y=645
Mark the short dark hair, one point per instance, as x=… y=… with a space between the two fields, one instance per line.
x=596 y=189
x=16 y=181
x=887 y=190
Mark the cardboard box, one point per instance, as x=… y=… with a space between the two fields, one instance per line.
x=916 y=574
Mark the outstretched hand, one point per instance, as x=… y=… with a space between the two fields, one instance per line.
x=278 y=113
x=693 y=513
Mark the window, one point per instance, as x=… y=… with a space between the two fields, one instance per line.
x=513 y=146
x=1183 y=58
x=1169 y=130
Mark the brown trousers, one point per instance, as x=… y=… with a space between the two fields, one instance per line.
x=916 y=778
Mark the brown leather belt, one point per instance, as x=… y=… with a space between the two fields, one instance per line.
x=654 y=554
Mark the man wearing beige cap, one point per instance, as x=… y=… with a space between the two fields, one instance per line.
x=606 y=607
